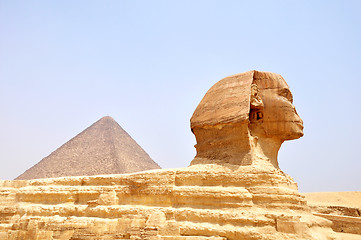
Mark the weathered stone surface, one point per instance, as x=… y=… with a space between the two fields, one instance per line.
x=244 y=202
x=233 y=189
x=102 y=148
x=244 y=118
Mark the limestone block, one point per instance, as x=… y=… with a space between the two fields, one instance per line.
x=170 y=228
x=66 y=235
x=3 y=235
x=291 y=224
x=157 y=220
x=109 y=198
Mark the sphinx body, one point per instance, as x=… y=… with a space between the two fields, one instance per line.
x=233 y=189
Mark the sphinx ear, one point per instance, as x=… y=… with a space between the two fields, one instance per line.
x=256 y=100
x=256 y=105
x=256 y=112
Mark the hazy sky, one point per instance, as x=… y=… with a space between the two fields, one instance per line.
x=65 y=64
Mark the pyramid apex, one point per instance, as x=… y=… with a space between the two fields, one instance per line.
x=107 y=118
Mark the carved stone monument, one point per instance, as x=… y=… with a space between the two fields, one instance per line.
x=233 y=188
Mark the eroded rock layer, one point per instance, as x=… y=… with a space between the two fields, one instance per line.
x=198 y=202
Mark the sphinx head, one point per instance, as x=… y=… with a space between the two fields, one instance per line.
x=243 y=117
x=272 y=114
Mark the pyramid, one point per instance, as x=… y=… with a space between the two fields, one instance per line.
x=102 y=148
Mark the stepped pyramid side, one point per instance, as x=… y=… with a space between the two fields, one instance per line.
x=102 y=148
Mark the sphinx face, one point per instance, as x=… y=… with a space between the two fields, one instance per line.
x=280 y=118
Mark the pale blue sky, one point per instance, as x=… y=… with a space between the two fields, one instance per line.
x=65 y=64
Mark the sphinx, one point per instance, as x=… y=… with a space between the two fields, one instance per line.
x=233 y=188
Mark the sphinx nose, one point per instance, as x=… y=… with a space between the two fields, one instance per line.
x=294 y=108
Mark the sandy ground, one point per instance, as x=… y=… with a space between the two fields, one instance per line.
x=348 y=236
x=346 y=199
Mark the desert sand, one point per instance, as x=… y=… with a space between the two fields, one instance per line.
x=346 y=199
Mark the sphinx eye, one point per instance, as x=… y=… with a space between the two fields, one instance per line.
x=284 y=92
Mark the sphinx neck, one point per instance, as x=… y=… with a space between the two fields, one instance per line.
x=268 y=148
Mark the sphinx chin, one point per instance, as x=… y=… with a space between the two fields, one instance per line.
x=295 y=134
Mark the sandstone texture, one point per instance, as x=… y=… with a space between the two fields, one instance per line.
x=233 y=188
x=198 y=202
x=102 y=148
x=342 y=208
x=243 y=118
